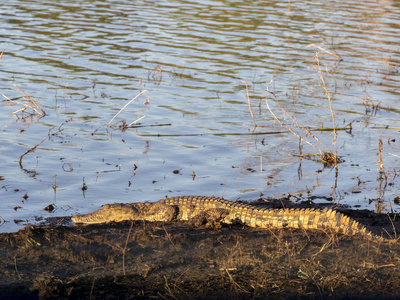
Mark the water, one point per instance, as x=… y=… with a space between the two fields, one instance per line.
x=82 y=61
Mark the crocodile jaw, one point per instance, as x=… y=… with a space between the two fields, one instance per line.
x=108 y=213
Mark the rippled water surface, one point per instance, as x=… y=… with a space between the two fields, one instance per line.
x=83 y=61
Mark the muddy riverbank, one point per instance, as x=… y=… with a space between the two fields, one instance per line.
x=176 y=261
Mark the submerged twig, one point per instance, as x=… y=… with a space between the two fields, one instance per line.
x=213 y=134
x=30 y=150
x=150 y=125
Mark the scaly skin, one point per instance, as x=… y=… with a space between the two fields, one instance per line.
x=211 y=209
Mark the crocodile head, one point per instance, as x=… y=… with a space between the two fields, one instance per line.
x=109 y=213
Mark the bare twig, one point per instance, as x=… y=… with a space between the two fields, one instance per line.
x=394 y=155
x=124 y=108
x=15 y=266
x=235 y=283
x=287 y=14
x=334 y=53
x=169 y=237
x=319 y=72
x=324 y=50
x=394 y=227
x=302 y=127
x=124 y=250
x=248 y=101
x=91 y=290
x=288 y=128
x=138 y=118
x=2 y=52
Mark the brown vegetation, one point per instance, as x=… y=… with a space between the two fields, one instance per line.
x=176 y=261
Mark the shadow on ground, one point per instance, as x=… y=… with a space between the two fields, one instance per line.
x=175 y=261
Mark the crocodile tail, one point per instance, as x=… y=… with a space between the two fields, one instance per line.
x=310 y=218
x=346 y=225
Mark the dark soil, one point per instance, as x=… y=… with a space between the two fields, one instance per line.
x=176 y=261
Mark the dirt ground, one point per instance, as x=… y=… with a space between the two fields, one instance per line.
x=136 y=260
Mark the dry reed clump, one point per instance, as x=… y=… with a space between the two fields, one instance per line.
x=155 y=74
x=29 y=104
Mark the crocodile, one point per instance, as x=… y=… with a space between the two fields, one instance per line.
x=203 y=209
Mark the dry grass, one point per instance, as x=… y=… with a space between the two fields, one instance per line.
x=233 y=262
x=29 y=104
